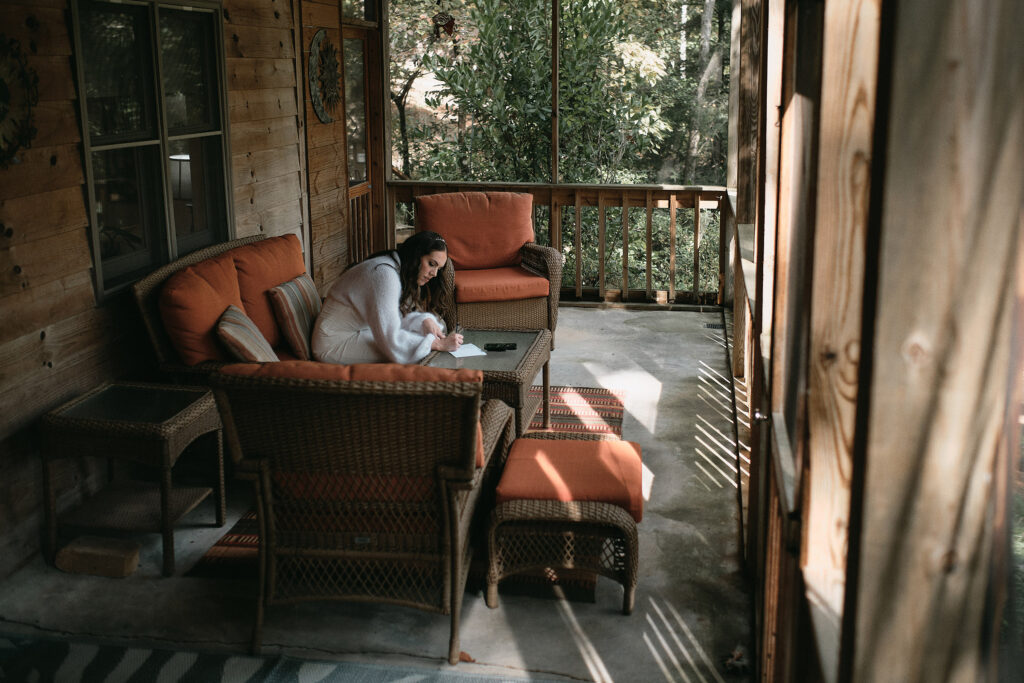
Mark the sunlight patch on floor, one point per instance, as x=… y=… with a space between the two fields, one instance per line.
x=592 y=659
x=643 y=391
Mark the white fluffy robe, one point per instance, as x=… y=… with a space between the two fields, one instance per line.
x=360 y=321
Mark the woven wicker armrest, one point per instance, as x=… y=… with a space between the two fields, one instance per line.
x=495 y=418
x=542 y=260
x=449 y=311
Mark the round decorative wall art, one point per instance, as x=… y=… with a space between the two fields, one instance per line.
x=324 y=75
x=19 y=92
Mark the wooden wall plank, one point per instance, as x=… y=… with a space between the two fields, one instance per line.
x=32 y=309
x=255 y=136
x=261 y=197
x=256 y=74
x=40 y=30
x=257 y=166
x=55 y=79
x=326 y=225
x=942 y=375
x=277 y=220
x=42 y=169
x=40 y=261
x=23 y=221
x=321 y=15
x=327 y=203
x=56 y=123
x=847 y=129
x=255 y=105
x=257 y=42
x=273 y=14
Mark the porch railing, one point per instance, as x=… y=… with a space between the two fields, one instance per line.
x=598 y=227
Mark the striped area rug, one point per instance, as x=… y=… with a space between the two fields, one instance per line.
x=580 y=410
x=575 y=410
x=42 y=660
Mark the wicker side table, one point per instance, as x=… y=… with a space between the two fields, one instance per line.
x=150 y=424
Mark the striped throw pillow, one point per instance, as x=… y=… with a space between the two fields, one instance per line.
x=242 y=338
x=296 y=305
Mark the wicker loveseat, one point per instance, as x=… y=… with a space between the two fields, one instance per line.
x=501 y=278
x=240 y=273
x=368 y=478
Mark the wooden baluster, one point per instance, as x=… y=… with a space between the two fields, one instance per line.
x=672 y=203
x=625 y=246
x=578 y=245
x=650 y=238
x=696 y=248
x=600 y=245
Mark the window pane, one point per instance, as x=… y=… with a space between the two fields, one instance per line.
x=119 y=94
x=196 y=177
x=358 y=9
x=186 y=46
x=355 y=110
x=129 y=214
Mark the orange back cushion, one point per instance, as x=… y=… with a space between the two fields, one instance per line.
x=262 y=265
x=482 y=229
x=574 y=470
x=192 y=301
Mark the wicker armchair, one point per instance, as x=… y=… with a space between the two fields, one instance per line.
x=501 y=278
x=369 y=476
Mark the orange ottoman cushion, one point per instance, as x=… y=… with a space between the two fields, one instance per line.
x=498 y=284
x=261 y=266
x=482 y=229
x=192 y=301
x=574 y=470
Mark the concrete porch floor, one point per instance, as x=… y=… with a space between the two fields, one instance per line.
x=692 y=603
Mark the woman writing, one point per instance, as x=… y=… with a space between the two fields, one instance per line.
x=385 y=308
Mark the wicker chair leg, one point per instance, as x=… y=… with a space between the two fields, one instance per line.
x=453 y=640
x=491 y=598
x=257 y=629
x=628 y=598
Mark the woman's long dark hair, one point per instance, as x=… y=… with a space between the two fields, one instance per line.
x=410 y=253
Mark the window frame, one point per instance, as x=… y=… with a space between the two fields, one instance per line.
x=164 y=234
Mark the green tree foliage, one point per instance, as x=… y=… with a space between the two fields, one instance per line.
x=642 y=99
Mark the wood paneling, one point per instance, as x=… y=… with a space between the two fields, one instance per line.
x=257 y=74
x=40 y=261
x=264 y=13
x=255 y=136
x=256 y=42
x=23 y=221
x=261 y=197
x=42 y=169
x=257 y=166
x=275 y=220
x=255 y=105
x=847 y=129
x=40 y=30
x=321 y=15
x=41 y=305
x=942 y=371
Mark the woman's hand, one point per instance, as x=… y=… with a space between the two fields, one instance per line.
x=450 y=343
x=431 y=326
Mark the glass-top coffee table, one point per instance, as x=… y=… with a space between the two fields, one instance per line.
x=508 y=375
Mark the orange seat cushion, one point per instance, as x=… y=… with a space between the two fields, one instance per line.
x=482 y=229
x=360 y=372
x=192 y=301
x=498 y=284
x=574 y=470
x=261 y=266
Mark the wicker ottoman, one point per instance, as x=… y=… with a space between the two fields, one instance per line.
x=567 y=503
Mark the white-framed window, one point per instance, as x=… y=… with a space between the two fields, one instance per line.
x=152 y=97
